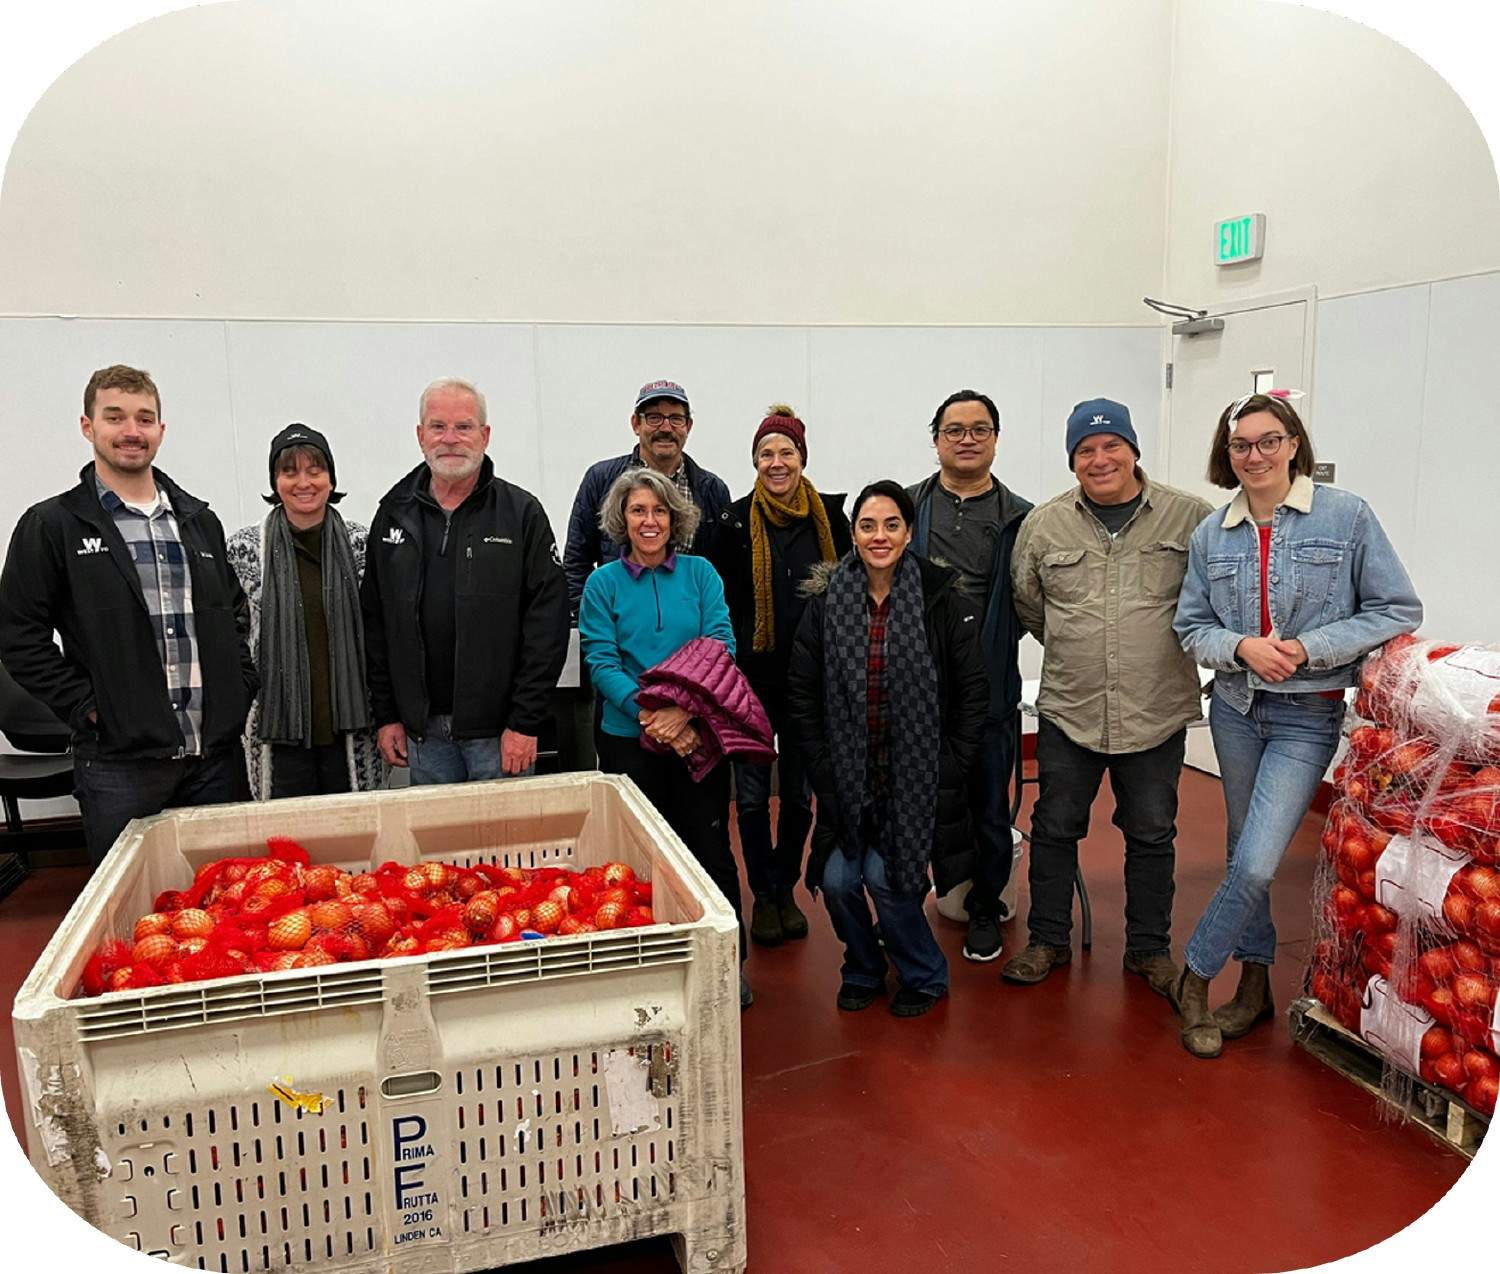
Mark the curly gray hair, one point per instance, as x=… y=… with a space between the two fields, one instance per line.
x=683 y=512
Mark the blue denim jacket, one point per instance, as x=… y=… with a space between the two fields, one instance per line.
x=1335 y=584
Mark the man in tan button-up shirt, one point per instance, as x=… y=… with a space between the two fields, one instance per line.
x=1096 y=573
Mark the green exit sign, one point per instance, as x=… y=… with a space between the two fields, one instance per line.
x=1240 y=239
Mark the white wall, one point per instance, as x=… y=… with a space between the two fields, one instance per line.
x=796 y=201
x=1408 y=387
x=585 y=160
x=559 y=397
x=1371 y=171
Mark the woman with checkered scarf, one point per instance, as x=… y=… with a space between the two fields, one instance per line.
x=888 y=700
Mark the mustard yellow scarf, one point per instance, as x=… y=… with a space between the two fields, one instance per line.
x=765 y=507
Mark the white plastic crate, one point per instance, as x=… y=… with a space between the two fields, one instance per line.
x=450 y=1112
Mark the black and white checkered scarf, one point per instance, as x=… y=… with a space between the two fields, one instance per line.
x=902 y=833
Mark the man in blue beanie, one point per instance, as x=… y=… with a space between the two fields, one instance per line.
x=1096 y=573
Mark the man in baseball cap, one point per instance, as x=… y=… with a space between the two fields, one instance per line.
x=661 y=422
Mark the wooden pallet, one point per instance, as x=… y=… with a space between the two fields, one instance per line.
x=1437 y=1111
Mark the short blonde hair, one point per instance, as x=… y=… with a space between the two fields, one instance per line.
x=685 y=515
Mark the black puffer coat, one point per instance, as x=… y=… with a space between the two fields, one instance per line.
x=963 y=692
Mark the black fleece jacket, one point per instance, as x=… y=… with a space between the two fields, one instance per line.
x=510 y=608
x=69 y=570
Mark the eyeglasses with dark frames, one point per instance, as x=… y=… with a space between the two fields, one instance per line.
x=1268 y=445
x=980 y=433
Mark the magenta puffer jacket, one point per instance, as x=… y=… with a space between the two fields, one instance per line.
x=703 y=678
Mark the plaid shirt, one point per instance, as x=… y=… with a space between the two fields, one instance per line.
x=156 y=547
x=877 y=707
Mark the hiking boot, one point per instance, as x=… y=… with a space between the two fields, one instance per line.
x=793 y=922
x=1158 y=970
x=765 y=922
x=983 y=940
x=1035 y=963
x=1200 y=1033
x=909 y=1003
x=854 y=998
x=1251 y=1004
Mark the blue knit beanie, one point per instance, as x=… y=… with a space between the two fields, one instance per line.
x=1100 y=416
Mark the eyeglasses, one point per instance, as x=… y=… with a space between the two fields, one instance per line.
x=656 y=420
x=1268 y=445
x=464 y=428
x=980 y=433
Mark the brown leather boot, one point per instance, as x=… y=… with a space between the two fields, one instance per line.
x=1251 y=1004
x=1200 y=1033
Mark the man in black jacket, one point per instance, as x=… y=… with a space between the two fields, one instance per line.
x=968 y=518
x=154 y=675
x=466 y=608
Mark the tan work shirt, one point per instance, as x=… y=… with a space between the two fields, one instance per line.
x=1114 y=675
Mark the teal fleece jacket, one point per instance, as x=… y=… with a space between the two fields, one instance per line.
x=627 y=624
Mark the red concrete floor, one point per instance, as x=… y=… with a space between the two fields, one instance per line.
x=1060 y=1127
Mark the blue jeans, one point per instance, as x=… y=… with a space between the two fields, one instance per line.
x=919 y=961
x=440 y=758
x=1272 y=760
x=773 y=870
x=1145 y=788
x=989 y=802
x=112 y=792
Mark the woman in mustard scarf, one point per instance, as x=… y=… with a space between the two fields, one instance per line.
x=766 y=545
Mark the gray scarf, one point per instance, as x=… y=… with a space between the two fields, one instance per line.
x=902 y=833
x=286 y=689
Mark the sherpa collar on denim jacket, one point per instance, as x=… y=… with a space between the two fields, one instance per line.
x=1300 y=497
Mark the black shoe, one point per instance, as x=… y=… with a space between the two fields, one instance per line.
x=793 y=922
x=747 y=996
x=983 y=941
x=765 y=922
x=854 y=998
x=909 y=1003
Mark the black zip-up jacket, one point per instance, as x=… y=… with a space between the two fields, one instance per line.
x=69 y=570
x=511 y=608
x=1000 y=631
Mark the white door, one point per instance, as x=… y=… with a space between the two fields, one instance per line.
x=1266 y=344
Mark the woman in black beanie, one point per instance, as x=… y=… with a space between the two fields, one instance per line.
x=310 y=730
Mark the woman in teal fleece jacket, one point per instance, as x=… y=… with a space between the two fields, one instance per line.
x=636 y=611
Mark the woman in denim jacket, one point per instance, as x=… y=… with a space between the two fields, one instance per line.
x=1288 y=587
